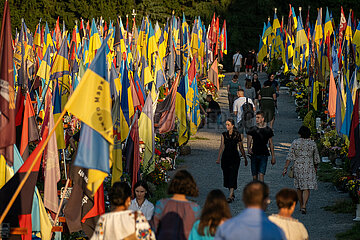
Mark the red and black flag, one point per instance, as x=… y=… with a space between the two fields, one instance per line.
x=7 y=94
x=29 y=130
x=20 y=212
x=82 y=211
x=354 y=151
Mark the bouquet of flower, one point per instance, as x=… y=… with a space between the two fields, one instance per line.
x=353 y=187
x=158 y=176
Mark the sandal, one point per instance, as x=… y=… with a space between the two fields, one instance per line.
x=303 y=210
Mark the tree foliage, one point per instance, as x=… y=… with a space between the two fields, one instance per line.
x=244 y=19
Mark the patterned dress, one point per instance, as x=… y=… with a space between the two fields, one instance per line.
x=121 y=224
x=304 y=154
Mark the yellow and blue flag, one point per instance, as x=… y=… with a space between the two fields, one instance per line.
x=59 y=131
x=95 y=41
x=180 y=111
x=45 y=66
x=96 y=137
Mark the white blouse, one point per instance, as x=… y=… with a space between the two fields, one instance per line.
x=147 y=208
x=293 y=229
x=119 y=225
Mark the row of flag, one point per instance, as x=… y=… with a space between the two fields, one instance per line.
x=109 y=77
x=329 y=54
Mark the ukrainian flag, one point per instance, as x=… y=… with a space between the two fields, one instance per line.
x=97 y=130
x=328 y=29
x=59 y=131
x=45 y=66
x=146 y=133
x=180 y=111
x=95 y=41
x=124 y=104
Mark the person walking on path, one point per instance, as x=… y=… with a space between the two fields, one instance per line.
x=249 y=90
x=244 y=109
x=267 y=98
x=304 y=153
x=286 y=200
x=230 y=159
x=250 y=62
x=274 y=83
x=237 y=60
x=216 y=210
x=175 y=216
x=213 y=110
x=255 y=83
x=232 y=88
x=260 y=136
x=252 y=223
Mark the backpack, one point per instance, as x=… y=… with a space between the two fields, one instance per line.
x=248 y=111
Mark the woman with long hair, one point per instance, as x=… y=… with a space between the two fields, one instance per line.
x=215 y=211
x=175 y=216
x=304 y=153
x=232 y=88
x=249 y=90
x=140 y=202
x=122 y=223
x=229 y=155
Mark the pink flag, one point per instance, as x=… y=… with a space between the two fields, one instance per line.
x=52 y=168
x=332 y=96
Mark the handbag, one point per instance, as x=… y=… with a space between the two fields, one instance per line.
x=133 y=235
x=291 y=172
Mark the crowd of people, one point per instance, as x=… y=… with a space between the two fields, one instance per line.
x=178 y=217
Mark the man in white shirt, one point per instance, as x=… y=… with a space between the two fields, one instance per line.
x=237 y=60
x=238 y=111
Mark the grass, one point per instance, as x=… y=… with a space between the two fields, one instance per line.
x=342 y=206
x=199 y=138
x=179 y=161
x=351 y=234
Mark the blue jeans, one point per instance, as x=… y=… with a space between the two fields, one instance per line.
x=258 y=164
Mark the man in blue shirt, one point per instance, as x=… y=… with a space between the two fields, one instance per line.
x=252 y=223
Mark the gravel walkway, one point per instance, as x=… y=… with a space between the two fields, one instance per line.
x=208 y=175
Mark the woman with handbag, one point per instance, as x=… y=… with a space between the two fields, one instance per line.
x=122 y=223
x=304 y=153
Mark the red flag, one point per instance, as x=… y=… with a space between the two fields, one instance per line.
x=20 y=212
x=354 y=131
x=342 y=27
x=99 y=205
x=58 y=34
x=332 y=96
x=192 y=71
x=29 y=130
x=7 y=94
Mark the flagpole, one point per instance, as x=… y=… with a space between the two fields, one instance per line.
x=61 y=202
x=12 y=200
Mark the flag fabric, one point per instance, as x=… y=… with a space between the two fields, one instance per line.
x=132 y=164
x=117 y=167
x=52 y=168
x=20 y=212
x=345 y=128
x=95 y=41
x=213 y=74
x=81 y=202
x=332 y=96
x=60 y=68
x=97 y=131
x=180 y=111
x=328 y=28
x=164 y=117
x=29 y=128
x=146 y=133
x=354 y=152
x=57 y=113
x=45 y=67
x=124 y=104
x=7 y=93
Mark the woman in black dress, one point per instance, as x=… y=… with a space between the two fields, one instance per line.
x=230 y=159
